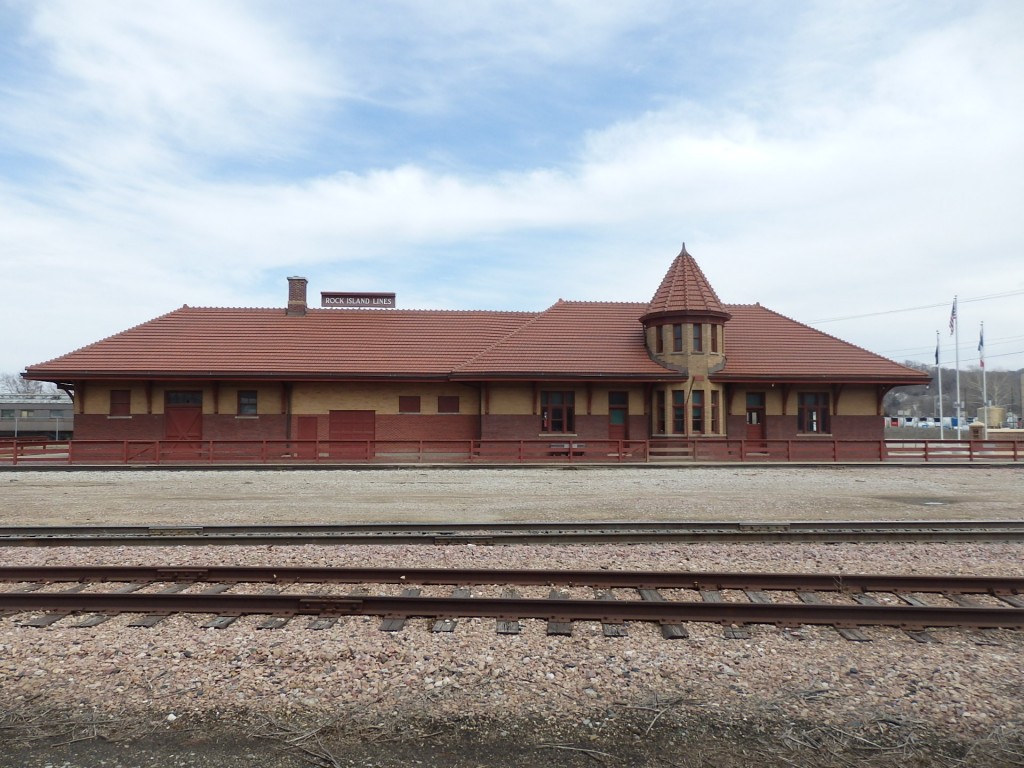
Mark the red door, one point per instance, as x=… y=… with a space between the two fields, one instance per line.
x=183 y=422
x=755 y=416
x=307 y=432
x=618 y=415
x=352 y=434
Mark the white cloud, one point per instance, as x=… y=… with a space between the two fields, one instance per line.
x=864 y=160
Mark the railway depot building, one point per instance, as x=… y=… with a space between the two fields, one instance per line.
x=682 y=366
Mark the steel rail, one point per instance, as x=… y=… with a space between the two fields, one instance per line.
x=700 y=580
x=779 y=614
x=518 y=533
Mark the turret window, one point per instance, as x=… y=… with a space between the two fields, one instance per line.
x=678 y=411
x=659 y=339
x=698 y=337
x=677 y=337
x=715 y=329
x=697 y=411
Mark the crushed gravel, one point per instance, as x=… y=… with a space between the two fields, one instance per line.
x=353 y=695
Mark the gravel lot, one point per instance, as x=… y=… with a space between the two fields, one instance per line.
x=180 y=695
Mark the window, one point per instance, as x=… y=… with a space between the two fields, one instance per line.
x=409 y=404
x=558 y=411
x=7 y=413
x=247 y=401
x=698 y=337
x=677 y=337
x=812 y=412
x=659 y=412
x=678 y=411
x=715 y=409
x=120 y=402
x=55 y=414
x=27 y=413
x=447 y=403
x=714 y=329
x=697 y=410
x=659 y=339
x=184 y=398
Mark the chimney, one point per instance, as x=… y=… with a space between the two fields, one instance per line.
x=296 y=296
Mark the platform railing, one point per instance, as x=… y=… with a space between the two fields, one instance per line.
x=39 y=452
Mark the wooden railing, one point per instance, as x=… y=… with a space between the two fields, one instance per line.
x=283 y=452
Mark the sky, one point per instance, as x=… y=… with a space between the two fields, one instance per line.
x=853 y=165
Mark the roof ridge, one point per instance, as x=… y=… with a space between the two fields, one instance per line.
x=508 y=336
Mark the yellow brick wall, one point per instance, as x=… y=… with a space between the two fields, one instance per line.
x=320 y=398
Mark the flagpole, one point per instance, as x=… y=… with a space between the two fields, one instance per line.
x=955 y=322
x=938 y=375
x=984 y=387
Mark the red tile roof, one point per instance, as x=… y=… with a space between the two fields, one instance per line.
x=574 y=339
x=763 y=345
x=570 y=340
x=685 y=291
x=332 y=343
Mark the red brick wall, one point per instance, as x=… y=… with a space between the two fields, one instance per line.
x=228 y=427
x=91 y=426
x=858 y=428
x=451 y=426
x=509 y=427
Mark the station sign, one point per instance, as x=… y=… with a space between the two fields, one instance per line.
x=357 y=300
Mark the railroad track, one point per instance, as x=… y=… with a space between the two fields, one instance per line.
x=616 y=532
x=848 y=602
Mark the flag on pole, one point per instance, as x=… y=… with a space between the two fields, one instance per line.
x=952 y=318
x=981 y=347
x=936 y=348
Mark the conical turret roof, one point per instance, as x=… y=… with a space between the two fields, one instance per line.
x=685 y=292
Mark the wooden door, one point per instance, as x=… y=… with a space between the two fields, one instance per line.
x=755 y=416
x=306 y=429
x=618 y=415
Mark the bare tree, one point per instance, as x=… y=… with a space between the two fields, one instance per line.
x=14 y=384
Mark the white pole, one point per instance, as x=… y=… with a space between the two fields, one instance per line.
x=938 y=375
x=959 y=403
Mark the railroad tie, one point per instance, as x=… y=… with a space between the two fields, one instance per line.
x=33 y=587
x=668 y=631
x=509 y=626
x=733 y=631
x=273 y=622
x=448 y=625
x=563 y=628
x=46 y=619
x=612 y=628
x=397 y=623
x=985 y=636
x=319 y=623
x=848 y=633
x=917 y=635
x=98 y=618
x=152 y=619
x=224 y=621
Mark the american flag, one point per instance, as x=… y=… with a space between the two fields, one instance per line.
x=981 y=347
x=952 y=318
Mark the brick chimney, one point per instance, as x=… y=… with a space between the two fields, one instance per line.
x=297 y=296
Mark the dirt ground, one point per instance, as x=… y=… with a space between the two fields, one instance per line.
x=659 y=733
x=421 y=494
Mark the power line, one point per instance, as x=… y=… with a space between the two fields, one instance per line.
x=916 y=309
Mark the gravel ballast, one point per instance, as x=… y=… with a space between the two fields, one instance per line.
x=353 y=695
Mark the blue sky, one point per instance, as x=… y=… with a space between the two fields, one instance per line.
x=834 y=161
